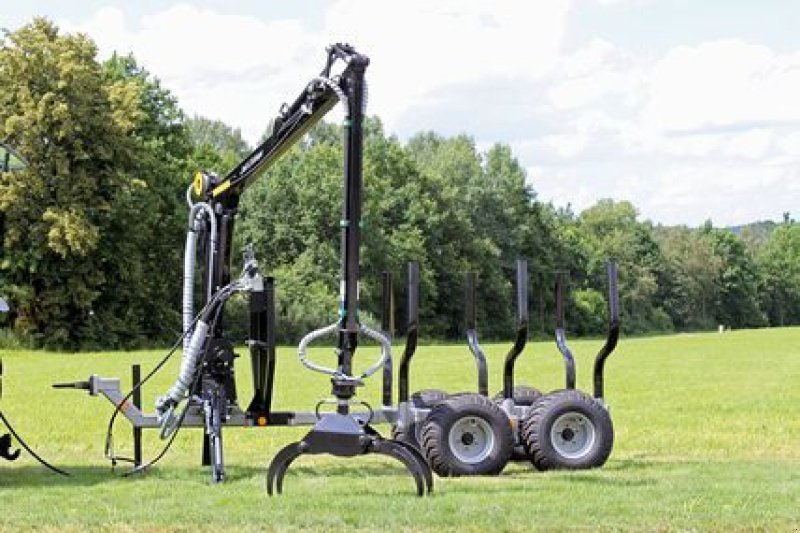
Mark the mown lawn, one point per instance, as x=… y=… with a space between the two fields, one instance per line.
x=707 y=438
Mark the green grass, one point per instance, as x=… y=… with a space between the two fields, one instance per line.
x=707 y=438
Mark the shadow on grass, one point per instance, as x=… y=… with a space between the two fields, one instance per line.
x=518 y=477
x=36 y=475
x=86 y=476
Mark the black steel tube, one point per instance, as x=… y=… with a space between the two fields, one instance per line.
x=561 y=336
x=411 y=330
x=136 y=397
x=472 y=334
x=387 y=328
x=354 y=86
x=613 y=330
x=522 y=329
x=269 y=293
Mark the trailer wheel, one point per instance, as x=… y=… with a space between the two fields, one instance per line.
x=522 y=395
x=467 y=435
x=427 y=398
x=567 y=429
x=424 y=399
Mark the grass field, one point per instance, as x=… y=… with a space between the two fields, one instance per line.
x=707 y=438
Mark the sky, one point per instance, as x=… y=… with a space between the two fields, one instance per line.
x=689 y=109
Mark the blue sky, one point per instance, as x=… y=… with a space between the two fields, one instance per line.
x=686 y=108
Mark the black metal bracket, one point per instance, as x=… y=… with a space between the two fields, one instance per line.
x=342 y=435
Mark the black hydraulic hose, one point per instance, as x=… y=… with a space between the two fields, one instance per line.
x=28 y=448
x=110 y=431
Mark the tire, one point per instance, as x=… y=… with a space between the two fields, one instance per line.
x=427 y=398
x=467 y=435
x=424 y=399
x=522 y=395
x=567 y=429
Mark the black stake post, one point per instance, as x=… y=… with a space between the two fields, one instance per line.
x=472 y=334
x=613 y=330
x=522 y=329
x=387 y=327
x=412 y=330
x=136 y=375
x=262 y=351
x=561 y=336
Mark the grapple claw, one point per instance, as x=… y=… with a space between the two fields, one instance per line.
x=411 y=459
x=280 y=464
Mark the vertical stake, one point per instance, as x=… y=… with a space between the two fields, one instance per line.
x=136 y=375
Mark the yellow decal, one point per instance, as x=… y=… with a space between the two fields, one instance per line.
x=221 y=188
x=198 y=183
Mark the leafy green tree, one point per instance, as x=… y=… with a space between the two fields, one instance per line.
x=779 y=264
x=55 y=110
x=149 y=224
x=88 y=234
x=216 y=146
x=611 y=231
x=737 y=303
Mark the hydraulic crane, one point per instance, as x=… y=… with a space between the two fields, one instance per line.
x=206 y=385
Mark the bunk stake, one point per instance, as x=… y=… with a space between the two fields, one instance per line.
x=136 y=375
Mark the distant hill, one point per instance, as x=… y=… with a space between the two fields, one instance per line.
x=755 y=233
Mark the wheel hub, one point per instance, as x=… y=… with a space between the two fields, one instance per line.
x=573 y=435
x=471 y=439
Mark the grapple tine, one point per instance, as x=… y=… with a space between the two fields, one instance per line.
x=280 y=464
x=399 y=452
x=420 y=459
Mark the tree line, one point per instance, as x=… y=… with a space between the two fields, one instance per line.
x=92 y=230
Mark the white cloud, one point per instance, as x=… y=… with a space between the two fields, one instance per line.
x=418 y=46
x=722 y=83
x=230 y=67
x=708 y=131
x=702 y=131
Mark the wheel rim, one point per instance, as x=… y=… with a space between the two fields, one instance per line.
x=573 y=435
x=471 y=439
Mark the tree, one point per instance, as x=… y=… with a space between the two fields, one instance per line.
x=89 y=252
x=779 y=264
x=737 y=302
x=54 y=109
x=611 y=231
x=217 y=146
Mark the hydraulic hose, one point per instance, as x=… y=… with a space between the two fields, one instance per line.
x=190 y=263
